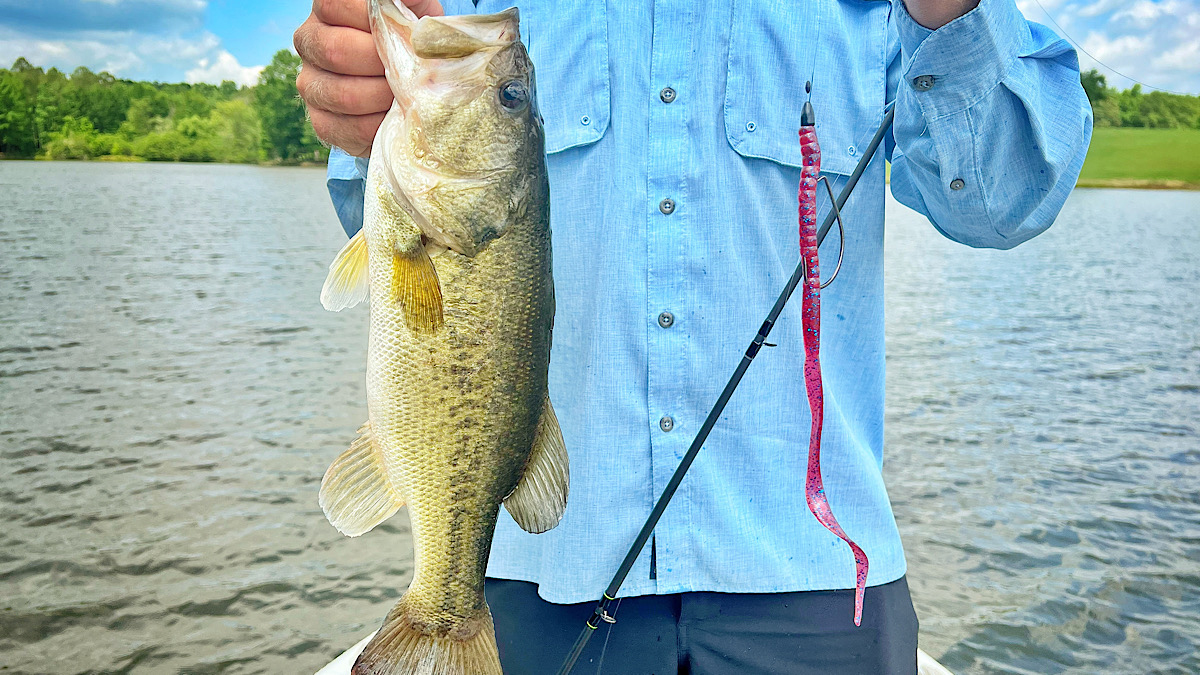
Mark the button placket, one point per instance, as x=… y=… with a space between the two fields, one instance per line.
x=668 y=162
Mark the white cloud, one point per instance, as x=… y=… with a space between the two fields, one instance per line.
x=160 y=40
x=1106 y=49
x=1183 y=58
x=131 y=55
x=66 y=54
x=224 y=67
x=1143 y=13
x=1096 y=8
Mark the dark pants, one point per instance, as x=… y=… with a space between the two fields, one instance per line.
x=711 y=633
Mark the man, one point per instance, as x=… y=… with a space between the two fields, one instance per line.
x=673 y=159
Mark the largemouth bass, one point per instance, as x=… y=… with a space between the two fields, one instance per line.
x=454 y=256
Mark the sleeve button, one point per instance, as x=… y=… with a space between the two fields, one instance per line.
x=923 y=82
x=957 y=184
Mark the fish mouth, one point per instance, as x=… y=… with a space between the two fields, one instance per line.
x=444 y=37
x=437 y=52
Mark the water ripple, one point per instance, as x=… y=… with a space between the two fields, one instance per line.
x=174 y=392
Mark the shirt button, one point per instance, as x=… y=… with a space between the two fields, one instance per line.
x=957 y=184
x=667 y=206
x=666 y=319
x=923 y=82
x=667 y=94
x=666 y=423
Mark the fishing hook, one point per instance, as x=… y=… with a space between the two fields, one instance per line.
x=841 y=230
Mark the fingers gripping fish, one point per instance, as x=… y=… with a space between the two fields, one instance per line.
x=814 y=488
x=454 y=257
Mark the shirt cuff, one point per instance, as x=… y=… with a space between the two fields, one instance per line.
x=965 y=58
x=346 y=179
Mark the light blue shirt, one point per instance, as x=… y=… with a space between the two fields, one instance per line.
x=989 y=153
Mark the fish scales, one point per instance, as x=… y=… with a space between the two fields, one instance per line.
x=455 y=260
x=457 y=410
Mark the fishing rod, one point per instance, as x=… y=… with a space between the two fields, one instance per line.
x=600 y=614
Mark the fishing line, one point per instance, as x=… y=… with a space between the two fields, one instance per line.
x=1089 y=54
x=611 y=624
x=600 y=613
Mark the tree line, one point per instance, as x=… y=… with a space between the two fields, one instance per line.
x=1132 y=108
x=85 y=115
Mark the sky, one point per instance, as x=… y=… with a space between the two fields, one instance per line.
x=1156 y=42
x=163 y=40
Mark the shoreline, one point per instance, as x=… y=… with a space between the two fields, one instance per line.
x=122 y=159
x=1108 y=183
x=1137 y=184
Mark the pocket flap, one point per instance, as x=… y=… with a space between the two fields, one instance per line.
x=568 y=44
x=841 y=43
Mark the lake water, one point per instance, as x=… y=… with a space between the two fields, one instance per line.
x=171 y=392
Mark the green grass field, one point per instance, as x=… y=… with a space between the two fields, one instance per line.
x=1128 y=157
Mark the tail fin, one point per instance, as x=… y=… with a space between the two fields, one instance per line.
x=407 y=646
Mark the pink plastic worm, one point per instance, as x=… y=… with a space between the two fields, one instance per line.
x=814 y=489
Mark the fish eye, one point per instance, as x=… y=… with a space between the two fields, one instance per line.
x=514 y=96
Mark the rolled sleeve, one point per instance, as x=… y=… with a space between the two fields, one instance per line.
x=346 y=179
x=992 y=124
x=967 y=57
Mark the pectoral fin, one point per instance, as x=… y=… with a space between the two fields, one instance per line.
x=415 y=286
x=346 y=284
x=541 y=496
x=355 y=493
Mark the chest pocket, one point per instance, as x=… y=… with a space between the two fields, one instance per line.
x=775 y=47
x=568 y=43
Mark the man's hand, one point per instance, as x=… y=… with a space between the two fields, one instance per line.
x=342 y=80
x=933 y=14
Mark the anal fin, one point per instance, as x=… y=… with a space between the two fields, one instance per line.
x=538 y=502
x=355 y=492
